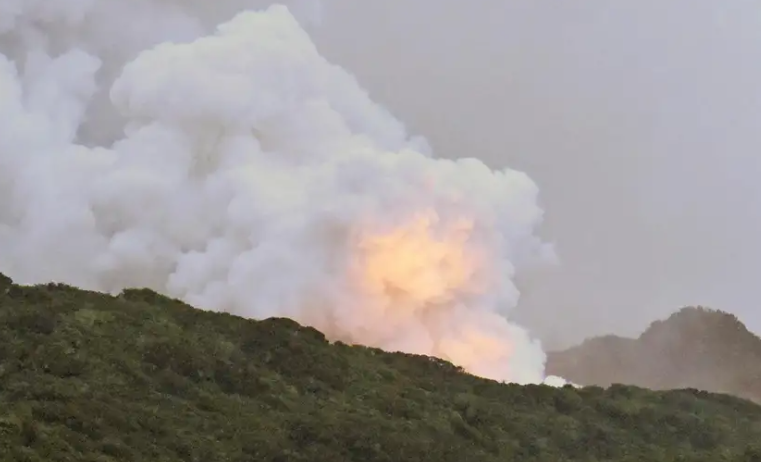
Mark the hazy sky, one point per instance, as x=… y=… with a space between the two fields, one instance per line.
x=638 y=120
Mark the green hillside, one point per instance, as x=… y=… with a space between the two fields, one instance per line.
x=139 y=377
x=695 y=347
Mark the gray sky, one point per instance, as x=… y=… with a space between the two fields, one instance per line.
x=637 y=119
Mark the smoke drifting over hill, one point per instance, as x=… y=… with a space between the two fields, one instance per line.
x=237 y=169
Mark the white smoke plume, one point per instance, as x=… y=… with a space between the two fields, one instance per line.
x=235 y=168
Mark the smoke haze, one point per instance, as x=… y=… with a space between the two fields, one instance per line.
x=232 y=166
x=638 y=121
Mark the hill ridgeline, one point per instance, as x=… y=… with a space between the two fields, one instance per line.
x=86 y=376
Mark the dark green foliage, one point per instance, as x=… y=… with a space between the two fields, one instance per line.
x=140 y=377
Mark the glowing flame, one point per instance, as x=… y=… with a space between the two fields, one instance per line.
x=431 y=286
x=414 y=264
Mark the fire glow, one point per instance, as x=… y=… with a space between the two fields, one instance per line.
x=413 y=264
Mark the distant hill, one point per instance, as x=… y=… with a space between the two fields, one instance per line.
x=695 y=347
x=139 y=377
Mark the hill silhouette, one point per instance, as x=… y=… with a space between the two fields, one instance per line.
x=695 y=347
x=139 y=377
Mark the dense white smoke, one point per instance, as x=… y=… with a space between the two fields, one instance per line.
x=240 y=171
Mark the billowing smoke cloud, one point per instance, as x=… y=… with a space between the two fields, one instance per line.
x=245 y=173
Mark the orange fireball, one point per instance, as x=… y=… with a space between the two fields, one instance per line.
x=419 y=263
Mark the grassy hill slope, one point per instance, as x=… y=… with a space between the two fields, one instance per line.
x=139 y=377
x=695 y=347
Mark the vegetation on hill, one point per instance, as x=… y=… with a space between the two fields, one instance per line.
x=139 y=377
x=695 y=347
